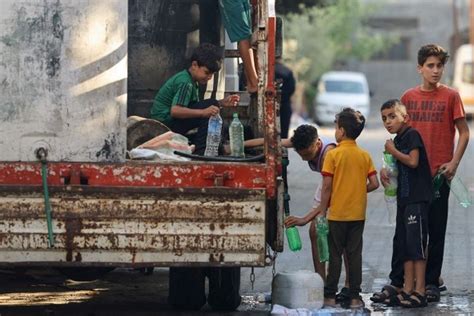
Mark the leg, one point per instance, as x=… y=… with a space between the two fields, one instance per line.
x=246 y=53
x=420 y=270
x=186 y=288
x=409 y=271
x=353 y=250
x=224 y=286
x=285 y=117
x=336 y=240
x=346 y=269
x=437 y=222
x=319 y=267
x=396 y=274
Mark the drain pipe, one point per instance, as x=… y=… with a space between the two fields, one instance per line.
x=42 y=154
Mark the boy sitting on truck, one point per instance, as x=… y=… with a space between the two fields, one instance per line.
x=177 y=103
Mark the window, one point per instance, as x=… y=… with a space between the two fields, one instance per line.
x=467 y=73
x=343 y=86
x=398 y=51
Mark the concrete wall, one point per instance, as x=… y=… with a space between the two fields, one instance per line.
x=162 y=36
x=389 y=78
x=63 y=79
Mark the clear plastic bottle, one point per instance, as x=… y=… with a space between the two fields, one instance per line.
x=390 y=192
x=236 y=136
x=323 y=229
x=460 y=192
x=214 y=129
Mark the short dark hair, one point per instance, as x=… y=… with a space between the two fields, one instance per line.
x=352 y=121
x=429 y=50
x=208 y=55
x=304 y=136
x=394 y=104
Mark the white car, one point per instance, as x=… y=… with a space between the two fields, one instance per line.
x=338 y=90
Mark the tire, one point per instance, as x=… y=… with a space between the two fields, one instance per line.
x=224 y=288
x=85 y=274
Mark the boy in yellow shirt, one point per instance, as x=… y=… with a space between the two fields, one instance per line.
x=348 y=175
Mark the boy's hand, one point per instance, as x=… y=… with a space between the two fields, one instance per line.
x=231 y=100
x=384 y=178
x=294 y=221
x=210 y=111
x=390 y=146
x=449 y=169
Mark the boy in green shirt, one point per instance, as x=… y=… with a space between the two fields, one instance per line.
x=177 y=103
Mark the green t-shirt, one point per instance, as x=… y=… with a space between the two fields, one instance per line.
x=178 y=90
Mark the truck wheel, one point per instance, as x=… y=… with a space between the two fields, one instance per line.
x=85 y=274
x=186 y=288
x=224 y=288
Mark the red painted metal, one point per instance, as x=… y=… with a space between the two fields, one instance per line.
x=273 y=159
x=176 y=175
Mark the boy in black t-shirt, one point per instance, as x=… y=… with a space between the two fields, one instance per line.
x=413 y=197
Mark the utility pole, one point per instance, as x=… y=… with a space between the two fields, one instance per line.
x=471 y=22
x=456 y=38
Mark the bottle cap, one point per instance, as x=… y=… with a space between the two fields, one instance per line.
x=235 y=115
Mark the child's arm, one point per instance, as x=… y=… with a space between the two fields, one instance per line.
x=315 y=211
x=449 y=169
x=411 y=160
x=373 y=183
x=182 y=112
x=285 y=142
x=231 y=100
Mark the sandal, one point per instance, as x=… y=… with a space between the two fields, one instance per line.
x=414 y=300
x=432 y=293
x=387 y=293
x=343 y=295
x=396 y=301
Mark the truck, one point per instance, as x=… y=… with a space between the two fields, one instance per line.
x=71 y=72
x=463 y=78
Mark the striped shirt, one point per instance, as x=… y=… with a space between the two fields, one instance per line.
x=178 y=90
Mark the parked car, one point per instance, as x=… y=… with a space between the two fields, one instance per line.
x=338 y=90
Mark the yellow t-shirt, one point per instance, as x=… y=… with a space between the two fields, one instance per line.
x=349 y=166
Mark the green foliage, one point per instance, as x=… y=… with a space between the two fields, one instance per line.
x=321 y=38
x=292 y=6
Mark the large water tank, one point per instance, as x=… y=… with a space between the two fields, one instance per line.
x=63 y=79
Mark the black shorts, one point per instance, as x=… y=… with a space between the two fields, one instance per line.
x=415 y=228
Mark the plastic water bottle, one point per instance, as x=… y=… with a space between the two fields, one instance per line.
x=390 y=192
x=213 y=140
x=236 y=135
x=323 y=229
x=294 y=240
x=460 y=192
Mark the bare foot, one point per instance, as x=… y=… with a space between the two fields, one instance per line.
x=330 y=302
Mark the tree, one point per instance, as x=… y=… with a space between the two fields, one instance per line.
x=291 y=6
x=322 y=37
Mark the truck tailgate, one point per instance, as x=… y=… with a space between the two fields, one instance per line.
x=123 y=226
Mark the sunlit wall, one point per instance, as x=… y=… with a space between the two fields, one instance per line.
x=63 y=79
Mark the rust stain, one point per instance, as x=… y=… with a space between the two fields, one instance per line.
x=73 y=228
